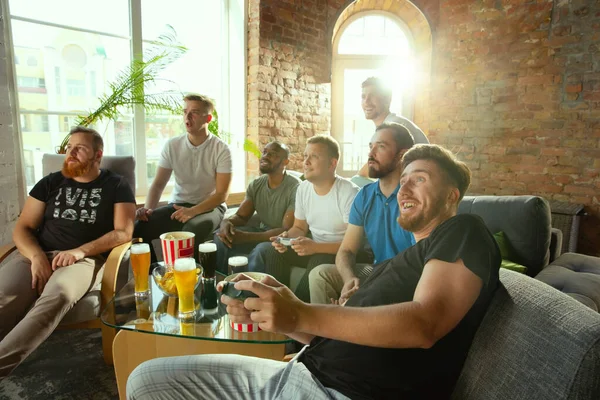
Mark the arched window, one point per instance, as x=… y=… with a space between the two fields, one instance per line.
x=368 y=44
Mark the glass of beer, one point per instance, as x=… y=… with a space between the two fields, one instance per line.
x=140 y=264
x=237 y=264
x=207 y=253
x=185 y=279
x=208 y=259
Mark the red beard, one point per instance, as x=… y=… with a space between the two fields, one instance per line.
x=76 y=169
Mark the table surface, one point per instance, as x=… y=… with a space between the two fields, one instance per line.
x=157 y=315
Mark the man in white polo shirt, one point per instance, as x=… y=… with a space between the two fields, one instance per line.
x=201 y=163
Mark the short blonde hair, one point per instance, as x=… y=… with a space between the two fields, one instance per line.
x=208 y=103
x=333 y=148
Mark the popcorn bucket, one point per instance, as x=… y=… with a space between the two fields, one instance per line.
x=245 y=327
x=176 y=245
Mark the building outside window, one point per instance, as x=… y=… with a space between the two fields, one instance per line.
x=85 y=54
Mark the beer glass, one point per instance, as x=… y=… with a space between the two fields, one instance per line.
x=207 y=253
x=208 y=259
x=185 y=280
x=140 y=264
x=237 y=264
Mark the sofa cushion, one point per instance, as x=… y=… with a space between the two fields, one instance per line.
x=533 y=343
x=523 y=219
x=577 y=275
x=506 y=250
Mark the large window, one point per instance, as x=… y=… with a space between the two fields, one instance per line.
x=368 y=44
x=73 y=49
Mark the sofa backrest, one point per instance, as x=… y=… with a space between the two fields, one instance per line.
x=525 y=220
x=533 y=343
x=122 y=165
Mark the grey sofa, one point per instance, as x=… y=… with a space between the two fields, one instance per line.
x=534 y=342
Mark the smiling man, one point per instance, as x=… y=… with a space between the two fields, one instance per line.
x=201 y=164
x=323 y=203
x=272 y=196
x=70 y=220
x=376 y=98
x=373 y=217
x=403 y=335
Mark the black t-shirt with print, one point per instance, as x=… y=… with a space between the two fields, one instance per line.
x=77 y=213
x=363 y=372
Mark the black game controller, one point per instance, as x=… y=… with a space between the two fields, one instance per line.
x=230 y=290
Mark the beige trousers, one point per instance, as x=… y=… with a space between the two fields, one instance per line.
x=326 y=283
x=27 y=319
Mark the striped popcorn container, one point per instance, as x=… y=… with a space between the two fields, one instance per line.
x=176 y=245
x=245 y=327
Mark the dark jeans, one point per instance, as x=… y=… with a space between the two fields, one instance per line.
x=241 y=249
x=265 y=258
x=160 y=222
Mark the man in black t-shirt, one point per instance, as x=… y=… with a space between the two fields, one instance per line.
x=403 y=335
x=70 y=220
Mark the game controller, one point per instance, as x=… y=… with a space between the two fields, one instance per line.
x=285 y=241
x=230 y=290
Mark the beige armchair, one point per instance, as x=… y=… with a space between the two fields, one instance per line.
x=114 y=273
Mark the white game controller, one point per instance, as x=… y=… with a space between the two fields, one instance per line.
x=285 y=241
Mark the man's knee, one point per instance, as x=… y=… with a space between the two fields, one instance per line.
x=320 y=273
x=139 y=379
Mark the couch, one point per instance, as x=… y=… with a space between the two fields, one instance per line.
x=534 y=341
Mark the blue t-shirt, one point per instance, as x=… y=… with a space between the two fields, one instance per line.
x=378 y=217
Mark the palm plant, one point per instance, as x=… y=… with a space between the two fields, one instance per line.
x=213 y=127
x=133 y=85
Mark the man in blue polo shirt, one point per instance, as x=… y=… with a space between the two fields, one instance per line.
x=373 y=216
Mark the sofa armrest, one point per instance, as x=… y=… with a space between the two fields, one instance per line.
x=6 y=250
x=107 y=291
x=556 y=238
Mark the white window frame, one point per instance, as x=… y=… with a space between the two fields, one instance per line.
x=341 y=62
x=233 y=96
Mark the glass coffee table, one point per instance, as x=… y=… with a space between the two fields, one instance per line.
x=149 y=328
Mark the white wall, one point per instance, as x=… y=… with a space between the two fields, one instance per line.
x=12 y=190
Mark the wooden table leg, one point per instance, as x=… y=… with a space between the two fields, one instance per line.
x=131 y=348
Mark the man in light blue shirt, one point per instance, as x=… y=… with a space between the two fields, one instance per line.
x=373 y=217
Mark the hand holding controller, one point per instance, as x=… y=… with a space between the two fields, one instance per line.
x=285 y=241
x=230 y=291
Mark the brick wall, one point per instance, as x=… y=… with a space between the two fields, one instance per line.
x=10 y=183
x=288 y=73
x=515 y=90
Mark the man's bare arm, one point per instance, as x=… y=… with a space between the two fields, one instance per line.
x=124 y=216
x=29 y=221
x=255 y=237
x=444 y=295
x=158 y=186
x=345 y=259
x=243 y=213
x=300 y=228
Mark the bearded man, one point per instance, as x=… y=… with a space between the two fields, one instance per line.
x=69 y=223
x=373 y=217
x=272 y=196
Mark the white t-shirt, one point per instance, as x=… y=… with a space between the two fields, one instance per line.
x=326 y=216
x=414 y=130
x=195 y=167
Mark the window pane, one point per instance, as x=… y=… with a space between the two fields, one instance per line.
x=111 y=16
x=199 y=70
x=357 y=130
x=64 y=72
x=57 y=80
x=374 y=35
